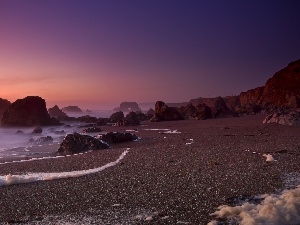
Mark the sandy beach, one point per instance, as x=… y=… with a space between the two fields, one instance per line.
x=177 y=177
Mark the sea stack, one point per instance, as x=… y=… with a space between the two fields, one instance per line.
x=29 y=111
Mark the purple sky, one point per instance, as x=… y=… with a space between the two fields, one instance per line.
x=96 y=54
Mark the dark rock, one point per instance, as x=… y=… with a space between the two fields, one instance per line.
x=87 y=119
x=72 y=109
x=118 y=137
x=19 y=132
x=30 y=111
x=87 y=125
x=203 y=112
x=76 y=143
x=165 y=113
x=220 y=109
x=57 y=112
x=37 y=130
x=4 y=104
x=31 y=140
x=188 y=111
x=131 y=119
x=44 y=140
x=142 y=116
x=59 y=132
x=128 y=107
x=92 y=130
x=116 y=117
x=102 y=121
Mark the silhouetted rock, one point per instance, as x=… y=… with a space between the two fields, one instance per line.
x=291 y=118
x=29 y=111
x=76 y=143
x=220 y=109
x=37 y=130
x=19 y=132
x=131 y=119
x=4 y=104
x=118 y=137
x=87 y=119
x=72 y=108
x=57 y=112
x=116 y=117
x=102 y=121
x=165 y=113
x=150 y=112
x=142 y=116
x=128 y=107
x=44 y=140
x=199 y=112
x=92 y=130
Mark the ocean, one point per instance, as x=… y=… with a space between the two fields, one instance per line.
x=15 y=141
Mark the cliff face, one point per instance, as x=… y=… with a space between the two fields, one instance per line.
x=282 y=90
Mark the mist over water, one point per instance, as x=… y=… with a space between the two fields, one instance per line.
x=16 y=144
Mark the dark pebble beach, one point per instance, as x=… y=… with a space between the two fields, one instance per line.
x=166 y=178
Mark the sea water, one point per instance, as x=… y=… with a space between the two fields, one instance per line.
x=14 y=141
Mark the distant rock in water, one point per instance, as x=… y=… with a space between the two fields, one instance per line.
x=292 y=118
x=165 y=113
x=116 y=117
x=118 y=137
x=128 y=107
x=76 y=143
x=4 y=104
x=44 y=140
x=72 y=109
x=56 y=112
x=92 y=130
x=29 y=111
x=37 y=130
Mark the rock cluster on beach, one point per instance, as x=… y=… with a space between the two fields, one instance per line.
x=29 y=111
x=77 y=143
x=165 y=113
x=128 y=107
x=291 y=118
x=72 y=108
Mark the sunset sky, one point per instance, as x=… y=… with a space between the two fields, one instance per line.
x=98 y=53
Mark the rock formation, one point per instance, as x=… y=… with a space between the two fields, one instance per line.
x=44 y=140
x=131 y=119
x=291 y=118
x=118 y=137
x=128 y=107
x=57 y=112
x=29 y=111
x=37 y=130
x=282 y=90
x=165 y=113
x=72 y=108
x=116 y=117
x=92 y=130
x=4 y=104
x=76 y=143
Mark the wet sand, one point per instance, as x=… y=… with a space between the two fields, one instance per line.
x=162 y=180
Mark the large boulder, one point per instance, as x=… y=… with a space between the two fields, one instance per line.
x=116 y=117
x=203 y=112
x=292 y=118
x=165 y=113
x=29 y=111
x=118 y=137
x=72 y=108
x=128 y=107
x=77 y=143
x=57 y=112
x=4 y=104
x=131 y=119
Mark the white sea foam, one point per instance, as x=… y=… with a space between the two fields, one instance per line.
x=156 y=129
x=269 y=157
x=281 y=209
x=172 y=132
x=32 y=177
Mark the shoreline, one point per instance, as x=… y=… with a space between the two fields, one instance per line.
x=170 y=177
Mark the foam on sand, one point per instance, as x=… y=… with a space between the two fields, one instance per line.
x=32 y=177
x=281 y=209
